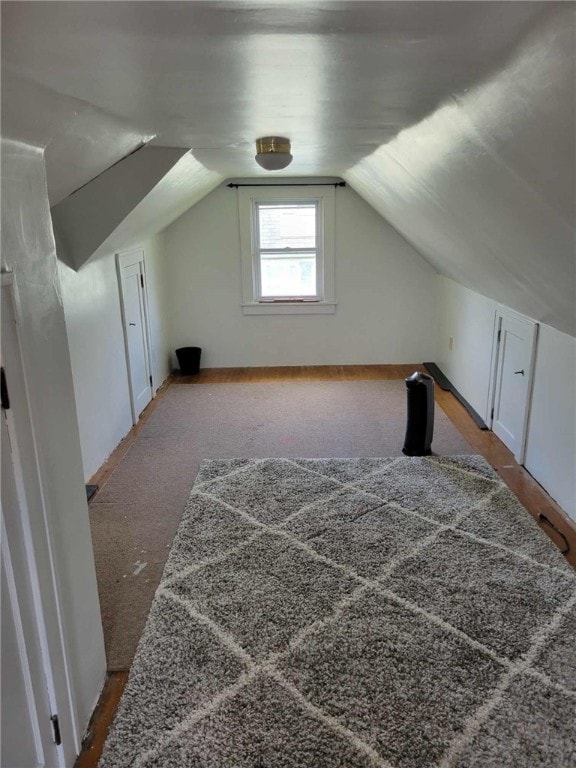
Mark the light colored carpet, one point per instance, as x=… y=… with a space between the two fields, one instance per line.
x=400 y=613
x=135 y=515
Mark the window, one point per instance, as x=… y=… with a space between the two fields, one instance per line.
x=287 y=250
x=287 y=245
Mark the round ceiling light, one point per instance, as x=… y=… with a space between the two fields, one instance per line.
x=273 y=153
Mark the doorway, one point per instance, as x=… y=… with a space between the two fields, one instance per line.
x=513 y=358
x=135 y=320
x=36 y=723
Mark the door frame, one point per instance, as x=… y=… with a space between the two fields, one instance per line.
x=124 y=259
x=33 y=539
x=500 y=313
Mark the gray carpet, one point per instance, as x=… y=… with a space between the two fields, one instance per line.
x=399 y=612
x=135 y=515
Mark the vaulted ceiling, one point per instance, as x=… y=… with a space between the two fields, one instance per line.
x=455 y=120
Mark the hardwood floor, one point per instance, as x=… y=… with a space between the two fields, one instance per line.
x=100 y=722
x=300 y=373
x=560 y=528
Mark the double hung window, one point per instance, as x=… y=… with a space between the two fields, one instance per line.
x=287 y=251
x=287 y=247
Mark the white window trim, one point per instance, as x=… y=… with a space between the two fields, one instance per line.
x=247 y=199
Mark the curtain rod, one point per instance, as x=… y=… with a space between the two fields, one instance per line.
x=320 y=184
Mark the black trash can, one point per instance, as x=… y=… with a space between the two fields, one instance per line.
x=189 y=360
x=420 y=423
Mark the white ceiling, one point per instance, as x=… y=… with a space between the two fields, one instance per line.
x=455 y=120
x=338 y=78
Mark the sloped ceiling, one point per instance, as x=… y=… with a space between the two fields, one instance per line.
x=454 y=119
x=484 y=187
x=180 y=188
x=85 y=220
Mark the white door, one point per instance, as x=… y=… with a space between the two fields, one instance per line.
x=27 y=728
x=134 y=314
x=515 y=349
x=28 y=694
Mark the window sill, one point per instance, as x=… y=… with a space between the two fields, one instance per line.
x=290 y=308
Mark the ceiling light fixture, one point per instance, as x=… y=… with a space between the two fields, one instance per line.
x=273 y=153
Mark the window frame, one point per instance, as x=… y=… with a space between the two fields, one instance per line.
x=248 y=200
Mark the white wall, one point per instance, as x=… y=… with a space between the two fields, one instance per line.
x=467 y=318
x=93 y=319
x=94 y=325
x=551 y=446
x=28 y=249
x=385 y=292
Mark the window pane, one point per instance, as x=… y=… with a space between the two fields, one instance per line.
x=288 y=275
x=287 y=226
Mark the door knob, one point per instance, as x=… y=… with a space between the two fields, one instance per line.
x=519 y=372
